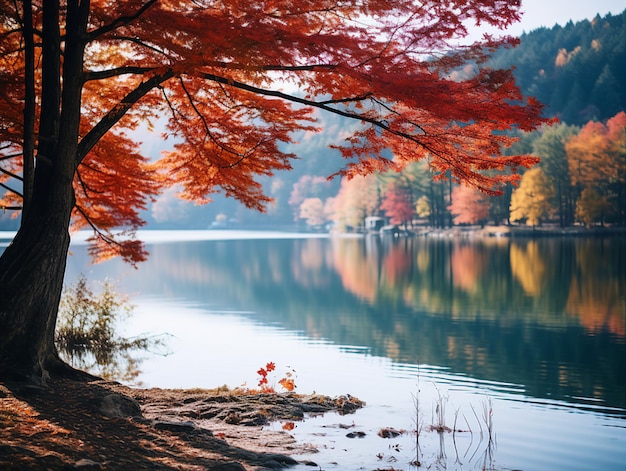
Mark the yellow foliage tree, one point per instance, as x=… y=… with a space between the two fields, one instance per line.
x=531 y=200
x=590 y=206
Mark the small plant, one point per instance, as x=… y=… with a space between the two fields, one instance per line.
x=484 y=419
x=86 y=332
x=418 y=426
x=287 y=382
x=439 y=419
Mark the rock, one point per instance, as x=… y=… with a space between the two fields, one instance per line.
x=117 y=406
x=233 y=418
x=86 y=464
x=178 y=427
x=356 y=434
x=230 y=466
x=389 y=432
x=277 y=461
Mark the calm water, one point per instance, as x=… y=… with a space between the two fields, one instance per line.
x=534 y=331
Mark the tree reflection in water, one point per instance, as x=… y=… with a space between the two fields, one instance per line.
x=87 y=336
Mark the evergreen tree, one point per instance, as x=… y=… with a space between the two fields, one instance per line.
x=550 y=147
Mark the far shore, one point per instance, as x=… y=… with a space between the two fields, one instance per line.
x=468 y=232
x=522 y=231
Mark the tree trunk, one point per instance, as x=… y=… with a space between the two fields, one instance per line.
x=31 y=281
x=32 y=268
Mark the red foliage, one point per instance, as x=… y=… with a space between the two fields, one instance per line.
x=469 y=206
x=233 y=80
x=398 y=205
x=287 y=382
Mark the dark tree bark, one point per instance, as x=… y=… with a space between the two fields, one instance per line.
x=31 y=281
x=32 y=268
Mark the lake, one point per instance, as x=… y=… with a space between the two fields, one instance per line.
x=519 y=346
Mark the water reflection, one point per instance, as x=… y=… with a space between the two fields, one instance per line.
x=87 y=332
x=545 y=314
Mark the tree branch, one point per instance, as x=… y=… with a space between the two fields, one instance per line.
x=105 y=74
x=117 y=112
x=119 y=22
x=12 y=175
x=8 y=188
x=382 y=124
x=207 y=129
x=346 y=100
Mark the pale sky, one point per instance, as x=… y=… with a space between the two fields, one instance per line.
x=538 y=13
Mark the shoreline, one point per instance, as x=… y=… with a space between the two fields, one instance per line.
x=104 y=425
x=521 y=232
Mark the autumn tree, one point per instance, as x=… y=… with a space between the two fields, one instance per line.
x=591 y=206
x=403 y=190
x=531 y=200
x=616 y=151
x=358 y=198
x=312 y=210
x=597 y=161
x=398 y=205
x=232 y=80
x=550 y=147
x=422 y=207
x=469 y=206
x=307 y=186
x=500 y=205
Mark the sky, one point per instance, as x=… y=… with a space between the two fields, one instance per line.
x=538 y=13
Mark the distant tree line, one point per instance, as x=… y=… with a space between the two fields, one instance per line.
x=581 y=179
x=577 y=71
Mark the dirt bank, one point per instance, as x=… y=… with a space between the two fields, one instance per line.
x=106 y=426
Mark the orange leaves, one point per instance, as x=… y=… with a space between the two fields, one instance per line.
x=288 y=426
x=596 y=154
x=596 y=158
x=287 y=382
x=213 y=74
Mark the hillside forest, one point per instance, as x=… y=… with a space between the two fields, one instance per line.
x=577 y=70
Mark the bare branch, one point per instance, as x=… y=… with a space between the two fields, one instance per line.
x=127 y=70
x=8 y=188
x=11 y=174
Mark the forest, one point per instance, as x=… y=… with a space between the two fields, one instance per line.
x=576 y=71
